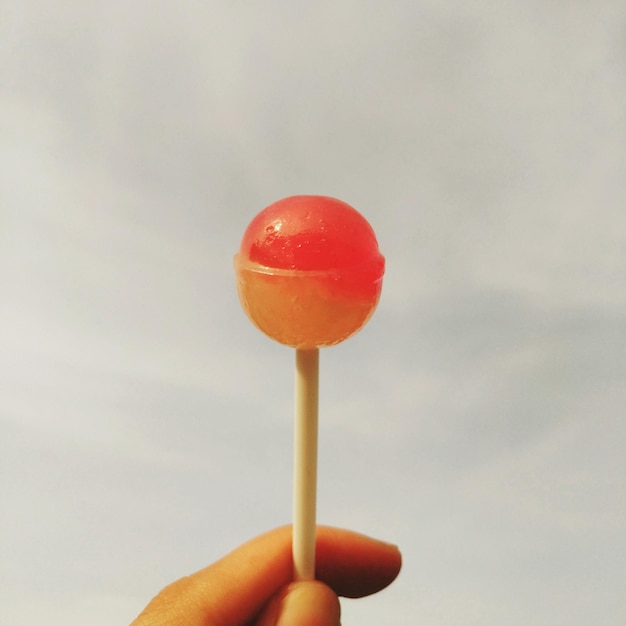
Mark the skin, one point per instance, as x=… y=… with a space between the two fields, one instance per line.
x=252 y=586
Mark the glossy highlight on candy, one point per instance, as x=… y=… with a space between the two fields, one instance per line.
x=309 y=271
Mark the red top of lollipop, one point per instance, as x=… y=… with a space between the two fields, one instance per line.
x=311 y=233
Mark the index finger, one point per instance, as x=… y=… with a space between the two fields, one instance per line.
x=235 y=588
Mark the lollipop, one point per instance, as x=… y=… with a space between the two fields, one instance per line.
x=309 y=275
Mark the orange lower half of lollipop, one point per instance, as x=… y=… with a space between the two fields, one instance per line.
x=307 y=310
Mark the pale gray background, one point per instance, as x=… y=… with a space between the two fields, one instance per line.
x=478 y=421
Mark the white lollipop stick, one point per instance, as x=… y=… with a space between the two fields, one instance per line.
x=305 y=464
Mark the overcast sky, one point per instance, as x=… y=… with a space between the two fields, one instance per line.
x=478 y=420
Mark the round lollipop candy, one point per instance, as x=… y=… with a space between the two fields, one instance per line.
x=309 y=271
x=309 y=275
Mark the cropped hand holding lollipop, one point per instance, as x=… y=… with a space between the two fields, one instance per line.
x=309 y=275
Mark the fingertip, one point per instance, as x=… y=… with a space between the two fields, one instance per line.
x=310 y=603
x=355 y=565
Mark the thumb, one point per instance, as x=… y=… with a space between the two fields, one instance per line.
x=310 y=603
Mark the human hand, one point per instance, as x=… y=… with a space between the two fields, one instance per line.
x=252 y=585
